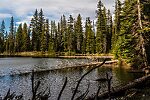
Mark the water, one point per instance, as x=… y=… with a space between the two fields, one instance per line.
x=15 y=75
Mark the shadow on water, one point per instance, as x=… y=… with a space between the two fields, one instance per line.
x=124 y=76
x=55 y=78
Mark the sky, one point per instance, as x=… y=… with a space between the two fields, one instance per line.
x=22 y=10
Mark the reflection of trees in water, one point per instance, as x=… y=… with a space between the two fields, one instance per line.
x=41 y=64
x=55 y=79
x=123 y=75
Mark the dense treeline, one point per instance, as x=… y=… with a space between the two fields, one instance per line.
x=68 y=35
x=127 y=36
x=132 y=32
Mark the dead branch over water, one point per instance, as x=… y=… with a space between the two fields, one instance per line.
x=110 y=93
x=120 y=90
x=84 y=76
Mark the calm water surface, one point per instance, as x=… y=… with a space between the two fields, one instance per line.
x=15 y=75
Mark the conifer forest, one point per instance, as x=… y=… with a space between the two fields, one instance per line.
x=76 y=57
x=126 y=35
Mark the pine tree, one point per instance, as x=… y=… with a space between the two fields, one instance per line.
x=41 y=30
x=83 y=48
x=2 y=38
x=47 y=33
x=59 y=38
x=71 y=44
x=109 y=32
x=117 y=21
x=133 y=39
x=34 y=31
x=2 y=30
x=11 y=37
x=79 y=33
x=101 y=29
x=63 y=26
x=43 y=39
x=54 y=35
x=6 y=45
x=90 y=38
x=51 y=48
x=25 y=38
x=104 y=30
x=19 y=39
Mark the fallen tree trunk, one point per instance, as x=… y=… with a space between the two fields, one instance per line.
x=121 y=90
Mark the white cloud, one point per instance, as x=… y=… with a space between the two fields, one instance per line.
x=3 y=15
x=25 y=20
x=53 y=9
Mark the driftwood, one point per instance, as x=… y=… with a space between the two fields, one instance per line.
x=76 y=66
x=145 y=70
x=111 y=93
x=122 y=89
x=90 y=57
x=72 y=98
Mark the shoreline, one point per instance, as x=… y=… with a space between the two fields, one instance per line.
x=58 y=55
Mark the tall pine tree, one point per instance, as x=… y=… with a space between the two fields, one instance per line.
x=117 y=21
x=133 y=38
x=25 y=38
x=101 y=29
x=11 y=39
x=90 y=38
x=19 y=39
x=79 y=33
x=2 y=37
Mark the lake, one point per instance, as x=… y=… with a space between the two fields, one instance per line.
x=15 y=74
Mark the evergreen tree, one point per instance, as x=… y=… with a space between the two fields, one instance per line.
x=90 y=42
x=34 y=28
x=109 y=32
x=133 y=42
x=37 y=23
x=2 y=32
x=11 y=37
x=52 y=45
x=19 y=39
x=101 y=29
x=51 y=48
x=43 y=39
x=83 y=48
x=59 y=38
x=79 y=33
x=54 y=35
x=71 y=44
x=63 y=26
x=104 y=30
x=6 y=43
x=47 y=33
x=117 y=21
x=1 y=45
x=41 y=31
x=25 y=38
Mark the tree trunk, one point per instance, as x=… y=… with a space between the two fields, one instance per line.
x=142 y=40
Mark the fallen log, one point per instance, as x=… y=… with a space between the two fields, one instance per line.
x=67 y=67
x=90 y=57
x=118 y=91
x=136 y=71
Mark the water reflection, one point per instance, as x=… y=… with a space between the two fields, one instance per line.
x=54 y=79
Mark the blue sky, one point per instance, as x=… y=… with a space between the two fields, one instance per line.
x=22 y=10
